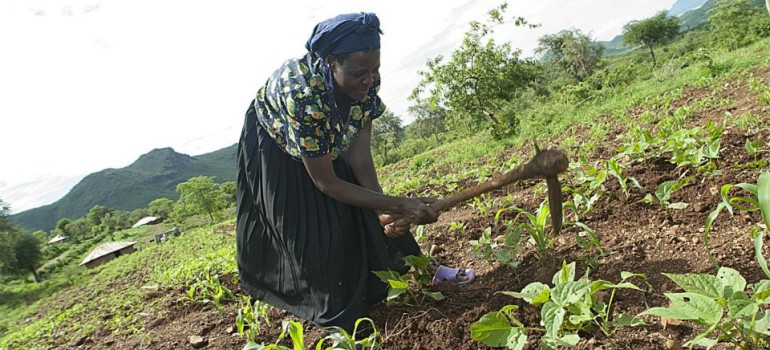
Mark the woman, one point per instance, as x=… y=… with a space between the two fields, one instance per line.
x=308 y=232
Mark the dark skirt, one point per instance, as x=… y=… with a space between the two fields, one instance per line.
x=301 y=250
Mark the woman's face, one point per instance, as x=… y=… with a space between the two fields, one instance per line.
x=355 y=75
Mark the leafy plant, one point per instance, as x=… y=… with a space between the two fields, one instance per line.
x=535 y=225
x=759 y=201
x=341 y=340
x=250 y=315
x=664 y=191
x=295 y=331
x=614 y=169
x=569 y=307
x=507 y=252
x=721 y=303
x=410 y=288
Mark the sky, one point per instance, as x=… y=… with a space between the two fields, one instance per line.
x=87 y=85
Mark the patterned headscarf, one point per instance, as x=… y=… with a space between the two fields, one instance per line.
x=344 y=34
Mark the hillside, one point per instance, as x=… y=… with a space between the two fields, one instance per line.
x=153 y=175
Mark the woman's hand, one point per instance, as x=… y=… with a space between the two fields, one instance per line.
x=392 y=228
x=417 y=211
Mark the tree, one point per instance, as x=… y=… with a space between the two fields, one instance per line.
x=26 y=249
x=161 y=207
x=19 y=251
x=61 y=227
x=387 y=133
x=229 y=190
x=478 y=77
x=572 y=51
x=7 y=234
x=734 y=24
x=199 y=195
x=79 y=229
x=428 y=121
x=651 y=32
x=95 y=217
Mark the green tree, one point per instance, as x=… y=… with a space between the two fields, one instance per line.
x=95 y=216
x=26 y=248
x=651 y=32
x=79 y=229
x=428 y=121
x=734 y=24
x=115 y=221
x=228 y=190
x=7 y=233
x=61 y=227
x=478 y=77
x=387 y=133
x=572 y=51
x=199 y=195
x=161 y=207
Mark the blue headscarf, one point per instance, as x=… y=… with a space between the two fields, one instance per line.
x=340 y=35
x=344 y=34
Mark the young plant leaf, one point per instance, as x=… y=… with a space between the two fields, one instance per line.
x=494 y=329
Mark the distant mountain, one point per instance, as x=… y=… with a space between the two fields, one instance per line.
x=154 y=175
x=682 y=6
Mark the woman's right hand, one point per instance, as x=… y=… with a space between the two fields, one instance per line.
x=417 y=211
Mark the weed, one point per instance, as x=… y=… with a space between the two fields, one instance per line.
x=568 y=308
x=410 y=288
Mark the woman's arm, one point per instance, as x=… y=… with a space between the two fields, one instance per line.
x=321 y=171
x=360 y=159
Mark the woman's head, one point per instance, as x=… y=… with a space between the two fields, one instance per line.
x=349 y=45
x=355 y=72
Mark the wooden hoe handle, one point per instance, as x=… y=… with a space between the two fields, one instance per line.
x=546 y=163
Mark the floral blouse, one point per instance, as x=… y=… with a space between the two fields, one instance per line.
x=293 y=107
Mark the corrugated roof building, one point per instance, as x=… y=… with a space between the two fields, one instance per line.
x=106 y=252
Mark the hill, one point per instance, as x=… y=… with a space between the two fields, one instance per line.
x=153 y=175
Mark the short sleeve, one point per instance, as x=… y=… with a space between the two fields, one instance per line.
x=308 y=125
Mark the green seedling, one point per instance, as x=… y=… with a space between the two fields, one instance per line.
x=508 y=252
x=535 y=225
x=341 y=340
x=759 y=199
x=250 y=316
x=295 y=331
x=567 y=308
x=581 y=203
x=614 y=169
x=664 y=191
x=722 y=303
x=410 y=288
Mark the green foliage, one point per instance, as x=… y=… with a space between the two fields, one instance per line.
x=410 y=288
x=161 y=207
x=478 y=77
x=250 y=316
x=387 y=134
x=651 y=32
x=572 y=51
x=507 y=251
x=759 y=201
x=567 y=308
x=721 y=303
x=738 y=23
x=21 y=253
x=342 y=340
x=535 y=224
x=199 y=195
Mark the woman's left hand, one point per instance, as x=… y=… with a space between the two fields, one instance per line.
x=392 y=228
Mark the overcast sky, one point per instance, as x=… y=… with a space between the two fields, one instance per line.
x=87 y=85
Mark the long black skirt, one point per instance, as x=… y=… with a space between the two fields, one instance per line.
x=301 y=250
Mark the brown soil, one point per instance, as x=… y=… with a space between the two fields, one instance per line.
x=636 y=237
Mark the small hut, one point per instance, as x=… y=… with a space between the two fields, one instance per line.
x=106 y=252
x=148 y=220
x=57 y=239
